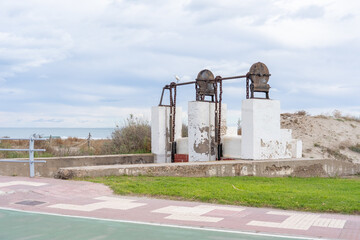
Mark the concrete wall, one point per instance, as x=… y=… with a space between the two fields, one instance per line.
x=52 y=165
x=278 y=168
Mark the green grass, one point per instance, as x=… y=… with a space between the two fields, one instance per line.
x=355 y=148
x=306 y=194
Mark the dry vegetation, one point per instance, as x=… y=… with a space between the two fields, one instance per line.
x=56 y=147
x=336 y=136
x=133 y=137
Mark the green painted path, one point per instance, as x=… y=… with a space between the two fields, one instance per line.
x=16 y=225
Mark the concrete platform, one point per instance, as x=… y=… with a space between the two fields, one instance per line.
x=266 y=168
x=25 y=203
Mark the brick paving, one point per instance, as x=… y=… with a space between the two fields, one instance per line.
x=87 y=199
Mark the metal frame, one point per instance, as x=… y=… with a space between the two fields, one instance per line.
x=217 y=83
x=31 y=151
x=218 y=99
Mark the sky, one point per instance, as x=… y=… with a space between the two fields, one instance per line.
x=92 y=63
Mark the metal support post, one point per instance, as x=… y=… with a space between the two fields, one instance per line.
x=31 y=157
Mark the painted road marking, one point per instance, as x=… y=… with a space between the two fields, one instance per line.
x=14 y=183
x=108 y=202
x=194 y=213
x=300 y=221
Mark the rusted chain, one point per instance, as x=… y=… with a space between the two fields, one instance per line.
x=219 y=126
x=174 y=114
x=171 y=113
x=247 y=88
x=216 y=108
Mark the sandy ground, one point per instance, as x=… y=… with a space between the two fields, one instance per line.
x=325 y=136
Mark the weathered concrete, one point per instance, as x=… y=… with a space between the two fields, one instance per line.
x=160 y=132
x=274 y=168
x=201 y=130
x=262 y=137
x=52 y=165
x=231 y=146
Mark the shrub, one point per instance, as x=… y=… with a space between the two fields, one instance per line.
x=341 y=117
x=355 y=148
x=337 y=114
x=301 y=113
x=133 y=137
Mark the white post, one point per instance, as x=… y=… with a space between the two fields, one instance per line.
x=31 y=157
x=160 y=132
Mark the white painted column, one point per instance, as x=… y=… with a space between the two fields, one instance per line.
x=201 y=130
x=160 y=132
x=260 y=123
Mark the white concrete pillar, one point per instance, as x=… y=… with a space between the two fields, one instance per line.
x=260 y=123
x=201 y=130
x=160 y=132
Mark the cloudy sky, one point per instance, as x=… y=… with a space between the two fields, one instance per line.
x=91 y=63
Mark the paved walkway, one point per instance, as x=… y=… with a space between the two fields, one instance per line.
x=85 y=199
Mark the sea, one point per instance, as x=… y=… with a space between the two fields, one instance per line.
x=96 y=133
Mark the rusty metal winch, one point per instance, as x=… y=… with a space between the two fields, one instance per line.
x=207 y=85
x=259 y=76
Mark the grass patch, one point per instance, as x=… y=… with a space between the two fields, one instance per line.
x=355 y=148
x=305 y=194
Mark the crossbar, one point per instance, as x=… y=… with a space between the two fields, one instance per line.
x=22 y=161
x=35 y=139
x=22 y=150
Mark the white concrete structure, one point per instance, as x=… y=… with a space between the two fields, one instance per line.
x=182 y=146
x=201 y=130
x=231 y=143
x=160 y=132
x=262 y=137
x=231 y=146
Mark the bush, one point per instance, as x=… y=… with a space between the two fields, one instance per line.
x=301 y=113
x=355 y=148
x=341 y=117
x=133 y=137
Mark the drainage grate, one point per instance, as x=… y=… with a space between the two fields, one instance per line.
x=30 y=203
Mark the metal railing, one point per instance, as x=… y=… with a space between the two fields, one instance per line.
x=31 y=151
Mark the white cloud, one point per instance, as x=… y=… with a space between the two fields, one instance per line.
x=69 y=62
x=67 y=116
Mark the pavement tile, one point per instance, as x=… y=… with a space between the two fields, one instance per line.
x=98 y=201
x=352 y=234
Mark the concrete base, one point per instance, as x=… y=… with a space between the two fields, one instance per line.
x=201 y=130
x=182 y=146
x=274 y=168
x=160 y=132
x=262 y=137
